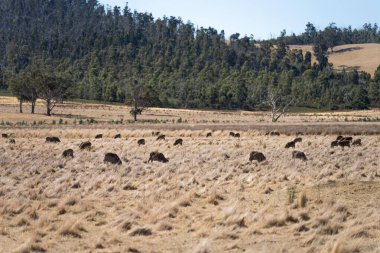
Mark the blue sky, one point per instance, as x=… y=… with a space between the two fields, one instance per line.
x=262 y=18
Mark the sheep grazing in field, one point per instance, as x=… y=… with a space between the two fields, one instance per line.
x=334 y=144
x=53 y=139
x=112 y=158
x=4 y=135
x=99 y=136
x=155 y=133
x=290 y=144
x=141 y=142
x=209 y=134
x=118 y=136
x=237 y=135
x=339 y=137
x=232 y=134
x=298 y=139
x=68 y=153
x=157 y=156
x=348 y=138
x=161 y=137
x=273 y=133
x=357 y=142
x=344 y=143
x=257 y=156
x=12 y=141
x=178 y=142
x=299 y=155
x=85 y=145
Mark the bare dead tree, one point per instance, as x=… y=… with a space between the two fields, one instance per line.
x=135 y=91
x=279 y=105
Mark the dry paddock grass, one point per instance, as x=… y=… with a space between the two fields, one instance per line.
x=207 y=198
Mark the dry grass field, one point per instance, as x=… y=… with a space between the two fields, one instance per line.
x=208 y=198
x=353 y=56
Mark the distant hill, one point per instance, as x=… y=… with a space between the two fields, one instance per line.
x=364 y=57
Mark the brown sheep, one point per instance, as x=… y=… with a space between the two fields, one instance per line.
x=155 y=133
x=299 y=155
x=112 y=158
x=141 y=142
x=257 y=156
x=237 y=135
x=178 y=142
x=53 y=139
x=209 y=134
x=4 y=135
x=68 y=153
x=12 y=141
x=232 y=134
x=157 y=156
x=298 y=139
x=344 y=143
x=334 y=144
x=161 y=137
x=85 y=145
x=290 y=144
x=118 y=136
x=99 y=136
x=357 y=142
x=339 y=137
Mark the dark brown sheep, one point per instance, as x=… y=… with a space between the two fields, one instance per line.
x=157 y=156
x=155 y=133
x=161 y=137
x=344 y=143
x=257 y=156
x=290 y=144
x=85 y=145
x=334 y=144
x=339 y=137
x=209 y=134
x=68 y=153
x=299 y=155
x=237 y=135
x=99 y=136
x=118 y=136
x=4 y=135
x=348 y=138
x=112 y=158
x=141 y=142
x=53 y=139
x=357 y=142
x=232 y=134
x=178 y=142
x=298 y=139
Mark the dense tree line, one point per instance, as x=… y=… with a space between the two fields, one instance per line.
x=105 y=51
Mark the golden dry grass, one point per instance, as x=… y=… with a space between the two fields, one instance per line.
x=207 y=198
x=364 y=57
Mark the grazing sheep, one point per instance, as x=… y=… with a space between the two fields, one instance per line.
x=334 y=144
x=209 y=134
x=339 y=137
x=53 y=139
x=4 y=135
x=161 y=137
x=232 y=134
x=290 y=144
x=141 y=142
x=68 y=153
x=344 y=143
x=155 y=133
x=118 y=136
x=237 y=135
x=85 y=145
x=298 y=139
x=348 y=138
x=299 y=155
x=12 y=141
x=257 y=156
x=98 y=136
x=157 y=156
x=112 y=158
x=357 y=142
x=178 y=142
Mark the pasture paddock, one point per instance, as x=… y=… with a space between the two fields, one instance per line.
x=208 y=198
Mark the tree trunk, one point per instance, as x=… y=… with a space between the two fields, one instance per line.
x=48 y=107
x=33 y=106
x=21 y=105
x=135 y=112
